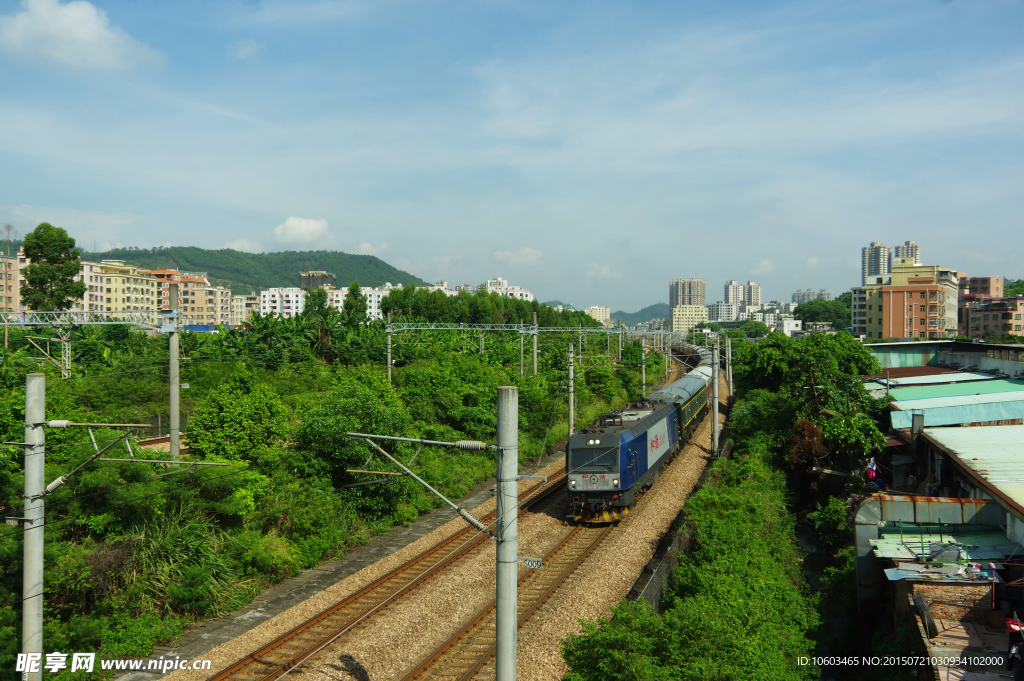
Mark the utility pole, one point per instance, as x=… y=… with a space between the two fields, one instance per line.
x=728 y=362
x=714 y=402
x=572 y=393
x=389 y=347
x=35 y=483
x=506 y=587
x=643 y=367
x=620 y=340
x=521 y=358
x=173 y=377
x=481 y=344
x=534 y=343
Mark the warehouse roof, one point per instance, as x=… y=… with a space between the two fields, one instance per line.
x=906 y=372
x=935 y=379
x=962 y=409
x=1002 y=385
x=990 y=455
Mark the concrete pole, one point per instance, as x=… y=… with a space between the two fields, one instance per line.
x=521 y=358
x=481 y=344
x=506 y=615
x=389 y=347
x=728 y=362
x=620 y=341
x=175 y=416
x=534 y=343
x=643 y=367
x=35 y=484
x=572 y=392
x=714 y=402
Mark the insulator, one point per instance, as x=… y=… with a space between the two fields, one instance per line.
x=58 y=424
x=472 y=520
x=471 y=445
x=56 y=483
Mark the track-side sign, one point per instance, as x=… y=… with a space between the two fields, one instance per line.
x=531 y=563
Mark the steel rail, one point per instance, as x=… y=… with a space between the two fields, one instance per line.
x=454 y=659
x=294 y=647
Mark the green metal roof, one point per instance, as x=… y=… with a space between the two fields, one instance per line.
x=923 y=392
x=994 y=453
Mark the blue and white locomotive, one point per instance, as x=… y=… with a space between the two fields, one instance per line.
x=610 y=461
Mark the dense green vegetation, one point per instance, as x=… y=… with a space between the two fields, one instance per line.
x=740 y=606
x=835 y=312
x=245 y=272
x=134 y=555
x=656 y=311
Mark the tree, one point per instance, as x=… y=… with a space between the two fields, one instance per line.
x=846 y=298
x=50 y=278
x=832 y=311
x=355 y=305
x=237 y=418
x=8 y=230
x=754 y=329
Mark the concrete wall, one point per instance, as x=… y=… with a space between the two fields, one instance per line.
x=1003 y=360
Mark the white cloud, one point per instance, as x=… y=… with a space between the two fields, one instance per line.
x=244 y=49
x=595 y=271
x=245 y=245
x=76 y=34
x=300 y=230
x=524 y=257
x=813 y=261
x=366 y=248
x=108 y=246
x=763 y=267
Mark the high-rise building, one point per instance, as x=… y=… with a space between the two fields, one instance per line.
x=808 y=295
x=909 y=249
x=686 y=292
x=742 y=294
x=723 y=312
x=875 y=263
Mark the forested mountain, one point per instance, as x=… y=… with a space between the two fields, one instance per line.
x=244 y=272
x=656 y=311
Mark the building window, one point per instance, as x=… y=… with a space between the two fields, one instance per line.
x=922 y=308
x=922 y=295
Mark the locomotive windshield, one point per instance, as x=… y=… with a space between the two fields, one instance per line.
x=583 y=458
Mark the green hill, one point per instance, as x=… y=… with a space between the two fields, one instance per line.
x=245 y=272
x=656 y=311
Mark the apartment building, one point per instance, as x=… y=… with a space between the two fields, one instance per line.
x=283 y=302
x=875 y=263
x=601 y=314
x=10 y=288
x=975 y=291
x=686 y=291
x=808 y=295
x=686 y=317
x=909 y=249
x=242 y=308
x=723 y=312
x=742 y=294
x=998 y=317
x=914 y=301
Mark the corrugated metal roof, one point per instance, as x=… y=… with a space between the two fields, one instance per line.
x=976 y=542
x=905 y=372
x=1002 y=385
x=951 y=411
x=994 y=453
x=935 y=379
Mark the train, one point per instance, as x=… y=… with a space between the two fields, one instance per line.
x=622 y=452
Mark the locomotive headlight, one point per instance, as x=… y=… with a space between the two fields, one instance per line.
x=615 y=482
x=572 y=483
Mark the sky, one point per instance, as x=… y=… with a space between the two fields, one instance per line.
x=588 y=150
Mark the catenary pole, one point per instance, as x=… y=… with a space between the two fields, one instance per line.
x=534 y=343
x=572 y=392
x=175 y=416
x=643 y=367
x=35 y=465
x=521 y=359
x=728 y=361
x=714 y=402
x=389 y=347
x=506 y=615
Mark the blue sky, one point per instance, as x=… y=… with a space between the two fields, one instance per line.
x=590 y=151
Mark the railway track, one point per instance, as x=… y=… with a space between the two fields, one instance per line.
x=297 y=645
x=470 y=651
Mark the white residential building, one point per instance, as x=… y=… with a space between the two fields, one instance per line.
x=723 y=312
x=283 y=302
x=686 y=317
